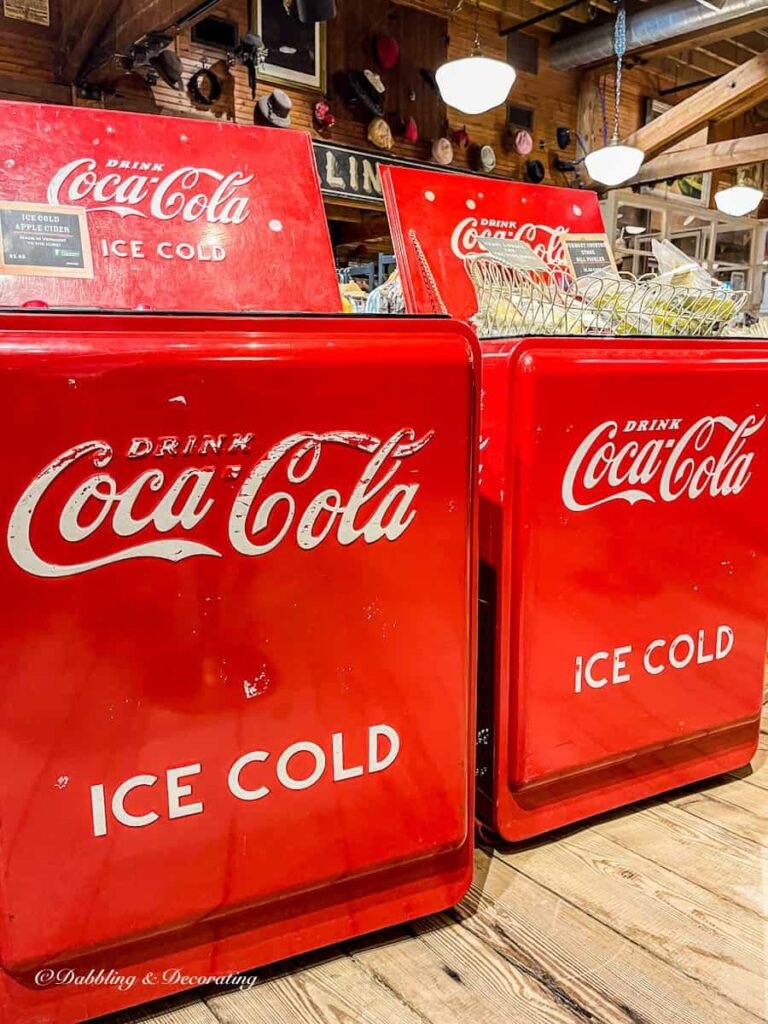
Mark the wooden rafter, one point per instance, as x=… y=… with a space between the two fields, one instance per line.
x=728 y=96
x=713 y=157
x=83 y=24
x=132 y=20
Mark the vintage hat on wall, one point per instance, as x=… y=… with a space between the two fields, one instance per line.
x=312 y=11
x=273 y=110
x=374 y=79
x=487 y=159
x=321 y=112
x=411 y=131
x=534 y=171
x=386 y=50
x=482 y=158
x=168 y=66
x=442 y=152
x=366 y=93
x=522 y=142
x=460 y=137
x=380 y=134
x=429 y=77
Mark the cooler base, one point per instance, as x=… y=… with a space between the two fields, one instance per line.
x=519 y=816
x=231 y=946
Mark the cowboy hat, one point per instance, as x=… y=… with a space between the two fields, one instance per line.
x=534 y=171
x=168 y=66
x=364 y=91
x=442 y=152
x=522 y=142
x=380 y=134
x=273 y=110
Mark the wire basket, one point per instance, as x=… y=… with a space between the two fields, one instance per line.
x=655 y=306
x=513 y=301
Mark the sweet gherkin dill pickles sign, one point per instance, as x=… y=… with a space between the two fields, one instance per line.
x=589 y=254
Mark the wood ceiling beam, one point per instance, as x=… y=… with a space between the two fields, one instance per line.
x=697 y=37
x=578 y=14
x=83 y=23
x=716 y=156
x=132 y=21
x=716 y=55
x=509 y=11
x=728 y=96
x=700 y=64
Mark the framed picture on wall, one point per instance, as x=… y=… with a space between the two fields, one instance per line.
x=694 y=188
x=296 y=51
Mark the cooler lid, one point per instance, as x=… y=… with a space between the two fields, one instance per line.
x=124 y=211
x=438 y=218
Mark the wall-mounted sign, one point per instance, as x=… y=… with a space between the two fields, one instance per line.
x=589 y=254
x=349 y=173
x=44 y=240
x=354 y=173
x=37 y=11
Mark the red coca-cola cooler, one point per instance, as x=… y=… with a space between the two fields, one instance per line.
x=237 y=572
x=623 y=535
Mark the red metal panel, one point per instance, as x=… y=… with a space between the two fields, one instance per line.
x=625 y=547
x=448 y=212
x=180 y=214
x=238 y=598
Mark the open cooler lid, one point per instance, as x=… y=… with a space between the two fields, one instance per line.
x=126 y=211
x=444 y=215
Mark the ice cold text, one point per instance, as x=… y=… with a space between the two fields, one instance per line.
x=619 y=665
x=143 y=800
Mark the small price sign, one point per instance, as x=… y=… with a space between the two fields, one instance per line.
x=513 y=253
x=588 y=254
x=47 y=241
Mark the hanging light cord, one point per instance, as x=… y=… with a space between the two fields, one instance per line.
x=620 y=48
x=476 y=52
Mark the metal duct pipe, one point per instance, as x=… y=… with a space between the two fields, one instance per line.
x=650 y=25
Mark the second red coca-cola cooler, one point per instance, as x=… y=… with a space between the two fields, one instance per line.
x=623 y=535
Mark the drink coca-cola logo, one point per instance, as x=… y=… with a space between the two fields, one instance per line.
x=546 y=241
x=708 y=457
x=149 y=190
x=156 y=514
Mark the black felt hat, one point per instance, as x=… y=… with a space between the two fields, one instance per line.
x=364 y=91
x=311 y=11
x=534 y=171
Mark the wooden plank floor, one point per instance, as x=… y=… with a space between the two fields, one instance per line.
x=657 y=915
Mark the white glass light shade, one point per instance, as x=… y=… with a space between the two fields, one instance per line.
x=614 y=164
x=474 y=85
x=739 y=200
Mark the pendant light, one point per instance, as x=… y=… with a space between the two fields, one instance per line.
x=616 y=163
x=740 y=199
x=475 y=84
